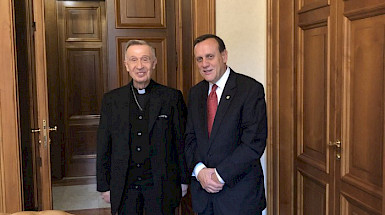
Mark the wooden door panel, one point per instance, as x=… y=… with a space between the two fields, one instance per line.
x=85 y=81
x=83 y=24
x=314 y=178
x=351 y=206
x=308 y=5
x=82 y=148
x=312 y=195
x=314 y=96
x=363 y=7
x=140 y=13
x=363 y=107
x=313 y=2
x=83 y=69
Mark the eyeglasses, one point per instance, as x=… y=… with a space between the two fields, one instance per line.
x=144 y=59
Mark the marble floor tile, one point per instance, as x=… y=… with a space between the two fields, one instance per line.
x=77 y=197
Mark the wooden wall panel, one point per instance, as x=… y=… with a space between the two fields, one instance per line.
x=141 y=14
x=83 y=24
x=10 y=178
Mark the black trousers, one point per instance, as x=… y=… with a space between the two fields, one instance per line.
x=136 y=201
x=212 y=209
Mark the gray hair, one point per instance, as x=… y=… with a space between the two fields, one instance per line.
x=139 y=42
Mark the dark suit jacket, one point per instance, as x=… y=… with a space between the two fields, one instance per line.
x=237 y=142
x=167 y=117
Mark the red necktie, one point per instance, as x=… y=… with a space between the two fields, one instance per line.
x=212 y=104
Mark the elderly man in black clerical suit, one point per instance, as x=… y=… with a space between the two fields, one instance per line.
x=140 y=148
x=225 y=135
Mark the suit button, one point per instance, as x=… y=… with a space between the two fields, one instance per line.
x=136 y=186
x=139 y=178
x=140 y=117
x=138 y=165
x=138 y=149
x=139 y=133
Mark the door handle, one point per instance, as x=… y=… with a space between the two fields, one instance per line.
x=337 y=144
x=35 y=130
x=53 y=129
x=45 y=138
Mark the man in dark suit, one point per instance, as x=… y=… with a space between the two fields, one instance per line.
x=140 y=148
x=225 y=135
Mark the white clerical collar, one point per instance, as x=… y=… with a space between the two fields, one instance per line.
x=142 y=91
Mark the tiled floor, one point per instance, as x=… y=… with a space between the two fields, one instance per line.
x=77 y=197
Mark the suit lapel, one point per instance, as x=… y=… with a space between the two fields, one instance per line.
x=203 y=107
x=227 y=96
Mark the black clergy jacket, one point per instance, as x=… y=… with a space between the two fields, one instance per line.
x=167 y=118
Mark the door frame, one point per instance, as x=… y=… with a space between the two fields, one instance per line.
x=10 y=167
x=10 y=177
x=193 y=19
x=281 y=106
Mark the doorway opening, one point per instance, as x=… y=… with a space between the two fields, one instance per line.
x=76 y=69
x=76 y=53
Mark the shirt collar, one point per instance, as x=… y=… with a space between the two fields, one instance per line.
x=222 y=81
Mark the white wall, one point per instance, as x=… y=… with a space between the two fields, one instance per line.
x=242 y=26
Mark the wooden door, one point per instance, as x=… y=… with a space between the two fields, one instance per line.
x=315 y=109
x=338 y=110
x=41 y=104
x=86 y=70
x=361 y=98
x=82 y=71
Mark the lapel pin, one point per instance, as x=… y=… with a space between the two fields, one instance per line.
x=227 y=97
